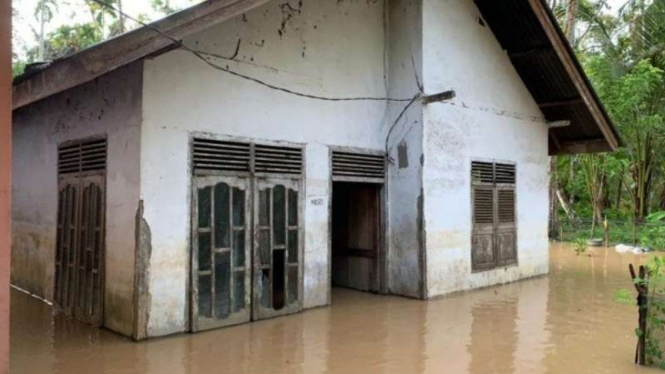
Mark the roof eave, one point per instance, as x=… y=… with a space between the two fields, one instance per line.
x=86 y=65
x=564 y=50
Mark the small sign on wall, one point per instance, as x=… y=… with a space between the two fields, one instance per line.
x=317 y=201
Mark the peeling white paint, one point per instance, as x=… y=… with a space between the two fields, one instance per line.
x=316 y=277
x=110 y=105
x=471 y=62
x=329 y=48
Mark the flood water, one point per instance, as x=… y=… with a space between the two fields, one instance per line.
x=566 y=322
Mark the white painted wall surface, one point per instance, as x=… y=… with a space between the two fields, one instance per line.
x=492 y=117
x=405 y=245
x=316 y=272
x=330 y=48
x=109 y=105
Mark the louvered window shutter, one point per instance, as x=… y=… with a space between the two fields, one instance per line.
x=494 y=231
x=506 y=228
x=482 y=253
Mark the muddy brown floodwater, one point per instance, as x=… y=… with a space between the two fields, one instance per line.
x=566 y=323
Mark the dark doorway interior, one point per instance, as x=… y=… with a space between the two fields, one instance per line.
x=356 y=236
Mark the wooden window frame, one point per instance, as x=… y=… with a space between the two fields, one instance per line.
x=495 y=187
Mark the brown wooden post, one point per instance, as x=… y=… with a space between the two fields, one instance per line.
x=642 y=291
x=5 y=174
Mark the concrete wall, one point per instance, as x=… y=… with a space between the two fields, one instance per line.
x=322 y=47
x=405 y=149
x=492 y=117
x=109 y=105
x=342 y=49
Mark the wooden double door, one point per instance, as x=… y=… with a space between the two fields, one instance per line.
x=246 y=249
x=79 y=260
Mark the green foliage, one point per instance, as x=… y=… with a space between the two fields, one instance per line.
x=45 y=10
x=656 y=217
x=163 y=6
x=104 y=22
x=624 y=56
x=580 y=245
x=655 y=236
x=624 y=296
x=655 y=305
x=18 y=68
x=67 y=40
x=647 y=234
x=655 y=331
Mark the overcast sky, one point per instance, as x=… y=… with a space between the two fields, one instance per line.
x=75 y=11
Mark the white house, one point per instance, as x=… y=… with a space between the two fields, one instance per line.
x=288 y=146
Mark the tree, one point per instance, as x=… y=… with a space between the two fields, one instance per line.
x=624 y=56
x=636 y=101
x=162 y=6
x=66 y=40
x=595 y=173
x=100 y=12
x=121 y=17
x=571 y=17
x=44 y=13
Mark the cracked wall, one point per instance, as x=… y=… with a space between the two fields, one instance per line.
x=143 y=253
x=108 y=105
x=319 y=47
x=405 y=144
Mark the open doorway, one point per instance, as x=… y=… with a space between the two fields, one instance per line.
x=356 y=236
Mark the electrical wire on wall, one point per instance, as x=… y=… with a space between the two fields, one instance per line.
x=202 y=56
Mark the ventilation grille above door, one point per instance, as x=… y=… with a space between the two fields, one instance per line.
x=277 y=160
x=82 y=157
x=358 y=165
x=221 y=155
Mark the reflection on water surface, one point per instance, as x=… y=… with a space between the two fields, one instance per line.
x=563 y=323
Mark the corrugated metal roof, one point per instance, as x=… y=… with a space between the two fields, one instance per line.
x=549 y=74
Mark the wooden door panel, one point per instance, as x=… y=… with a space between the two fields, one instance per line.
x=506 y=247
x=506 y=229
x=482 y=256
x=220 y=252
x=80 y=248
x=278 y=239
x=90 y=251
x=66 y=245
